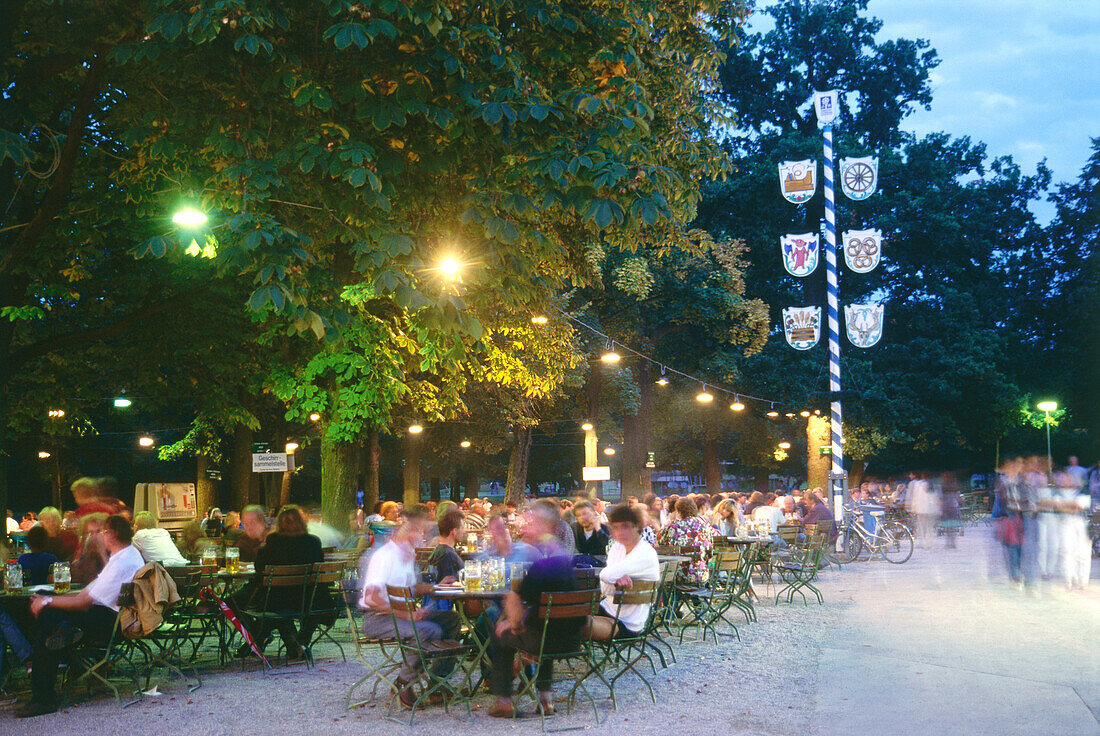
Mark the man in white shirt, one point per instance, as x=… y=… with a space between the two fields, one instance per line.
x=770 y=514
x=630 y=558
x=155 y=545
x=63 y=620
x=394 y=563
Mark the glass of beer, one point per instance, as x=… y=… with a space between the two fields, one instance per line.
x=232 y=560
x=13 y=578
x=209 y=557
x=470 y=576
x=62 y=577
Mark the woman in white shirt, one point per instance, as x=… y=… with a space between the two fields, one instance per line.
x=630 y=558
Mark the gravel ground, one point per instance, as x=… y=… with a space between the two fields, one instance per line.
x=768 y=684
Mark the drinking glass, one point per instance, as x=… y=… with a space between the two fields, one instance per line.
x=518 y=571
x=13 y=579
x=209 y=556
x=62 y=577
x=470 y=576
x=232 y=560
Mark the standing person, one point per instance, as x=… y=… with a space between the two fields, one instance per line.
x=1010 y=525
x=923 y=506
x=63 y=620
x=1034 y=482
x=11 y=525
x=950 y=512
x=1078 y=475
x=1075 y=504
x=1049 y=522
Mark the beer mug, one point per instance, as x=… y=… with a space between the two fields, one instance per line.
x=232 y=560
x=62 y=577
x=517 y=573
x=13 y=578
x=470 y=576
x=209 y=556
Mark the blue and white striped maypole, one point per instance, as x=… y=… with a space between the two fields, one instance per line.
x=836 y=433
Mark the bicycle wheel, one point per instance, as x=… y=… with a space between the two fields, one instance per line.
x=897 y=543
x=851 y=546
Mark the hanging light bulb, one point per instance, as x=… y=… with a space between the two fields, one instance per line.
x=804 y=413
x=416 y=428
x=609 y=354
x=464 y=444
x=772 y=413
x=704 y=396
x=539 y=319
x=662 y=380
x=790 y=415
x=588 y=426
x=609 y=451
x=784 y=445
x=145 y=441
x=737 y=405
x=315 y=417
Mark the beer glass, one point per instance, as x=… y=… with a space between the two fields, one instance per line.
x=13 y=579
x=209 y=556
x=470 y=576
x=62 y=577
x=232 y=560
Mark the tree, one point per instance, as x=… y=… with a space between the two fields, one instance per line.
x=955 y=227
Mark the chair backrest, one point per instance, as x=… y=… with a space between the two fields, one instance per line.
x=788 y=532
x=726 y=561
x=327 y=573
x=402 y=600
x=190 y=579
x=285 y=576
x=587 y=577
x=641 y=592
x=667 y=550
x=568 y=604
x=668 y=573
x=423 y=554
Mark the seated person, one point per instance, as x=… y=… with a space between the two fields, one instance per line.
x=155 y=545
x=63 y=542
x=253 y=532
x=772 y=515
x=38 y=563
x=589 y=535
x=630 y=558
x=820 y=514
x=92 y=555
x=289 y=544
x=444 y=561
x=478 y=517
x=501 y=543
x=63 y=620
x=394 y=563
x=520 y=627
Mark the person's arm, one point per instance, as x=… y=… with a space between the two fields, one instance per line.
x=512 y=618
x=633 y=565
x=81 y=601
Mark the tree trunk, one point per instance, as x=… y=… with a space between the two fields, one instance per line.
x=433 y=492
x=339 y=473
x=470 y=485
x=370 y=472
x=518 y=459
x=711 y=467
x=817 y=465
x=411 y=474
x=206 y=490
x=284 y=488
x=760 y=478
x=637 y=479
x=240 y=470
x=855 y=475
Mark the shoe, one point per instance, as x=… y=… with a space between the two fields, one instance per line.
x=547 y=706
x=501 y=710
x=34 y=709
x=405 y=694
x=64 y=637
x=295 y=654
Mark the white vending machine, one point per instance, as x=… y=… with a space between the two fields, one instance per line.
x=171 y=504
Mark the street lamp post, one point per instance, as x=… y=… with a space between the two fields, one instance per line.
x=1047 y=407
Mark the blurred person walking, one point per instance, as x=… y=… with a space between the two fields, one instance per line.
x=924 y=507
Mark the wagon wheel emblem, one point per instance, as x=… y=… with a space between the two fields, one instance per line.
x=859 y=178
x=862 y=252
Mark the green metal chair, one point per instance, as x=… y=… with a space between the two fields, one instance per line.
x=624 y=653
x=800 y=572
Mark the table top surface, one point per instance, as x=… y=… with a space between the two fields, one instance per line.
x=29 y=590
x=456 y=593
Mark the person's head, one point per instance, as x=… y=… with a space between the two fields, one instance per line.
x=478 y=507
x=232 y=520
x=686 y=508
x=788 y=504
x=856 y=494
x=50 y=518
x=85 y=490
x=756 y=497
x=451 y=525
x=291 y=521
x=497 y=527
x=599 y=505
x=144 y=520
x=725 y=510
x=541 y=519
x=414 y=524
x=254 y=521
x=37 y=538
x=442 y=509
x=769 y=498
x=117 y=532
x=626 y=524
x=585 y=514
x=390 y=511
x=92 y=524
x=216 y=514
x=566 y=505
x=1072 y=461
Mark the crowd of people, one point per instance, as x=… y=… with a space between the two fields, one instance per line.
x=1041 y=521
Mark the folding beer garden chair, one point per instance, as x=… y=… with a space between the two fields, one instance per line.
x=403 y=605
x=324 y=610
x=102 y=661
x=625 y=652
x=800 y=572
x=383 y=671
x=708 y=604
x=269 y=615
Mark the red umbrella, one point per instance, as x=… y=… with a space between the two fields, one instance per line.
x=209 y=595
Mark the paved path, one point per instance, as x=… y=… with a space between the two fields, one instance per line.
x=939 y=645
x=943 y=644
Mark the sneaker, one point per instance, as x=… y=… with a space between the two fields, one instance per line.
x=63 y=638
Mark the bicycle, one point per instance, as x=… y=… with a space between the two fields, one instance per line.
x=892 y=539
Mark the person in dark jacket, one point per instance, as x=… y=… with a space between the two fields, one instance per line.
x=589 y=535
x=289 y=544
